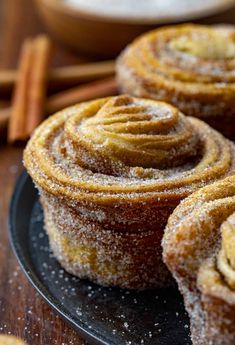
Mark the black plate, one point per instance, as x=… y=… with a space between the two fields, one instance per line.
x=101 y=315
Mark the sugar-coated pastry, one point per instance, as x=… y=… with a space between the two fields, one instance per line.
x=110 y=172
x=190 y=66
x=199 y=250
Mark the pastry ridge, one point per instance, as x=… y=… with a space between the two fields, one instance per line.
x=110 y=172
x=198 y=248
x=191 y=66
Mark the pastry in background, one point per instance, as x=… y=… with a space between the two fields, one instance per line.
x=199 y=249
x=110 y=172
x=190 y=66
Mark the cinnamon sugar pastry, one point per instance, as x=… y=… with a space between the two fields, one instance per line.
x=110 y=172
x=199 y=249
x=190 y=66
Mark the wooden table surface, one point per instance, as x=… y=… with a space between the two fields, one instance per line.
x=22 y=310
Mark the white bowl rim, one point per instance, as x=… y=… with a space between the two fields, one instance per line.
x=93 y=16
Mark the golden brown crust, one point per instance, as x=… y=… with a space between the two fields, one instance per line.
x=198 y=249
x=65 y=161
x=110 y=172
x=190 y=66
x=127 y=254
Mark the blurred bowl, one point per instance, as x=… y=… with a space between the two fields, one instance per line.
x=104 y=35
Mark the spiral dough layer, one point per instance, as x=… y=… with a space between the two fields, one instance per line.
x=110 y=172
x=199 y=249
x=190 y=66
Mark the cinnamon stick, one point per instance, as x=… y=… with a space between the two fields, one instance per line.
x=5 y=111
x=88 y=91
x=96 y=89
x=16 y=128
x=73 y=75
x=4 y=118
x=7 y=80
x=66 y=76
x=30 y=89
x=37 y=83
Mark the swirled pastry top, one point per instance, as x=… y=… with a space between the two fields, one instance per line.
x=190 y=58
x=226 y=257
x=199 y=242
x=120 y=148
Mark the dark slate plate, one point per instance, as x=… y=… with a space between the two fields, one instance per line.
x=101 y=315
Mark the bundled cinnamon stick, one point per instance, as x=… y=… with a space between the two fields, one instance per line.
x=29 y=104
x=100 y=88
x=63 y=77
x=37 y=83
x=29 y=95
x=16 y=128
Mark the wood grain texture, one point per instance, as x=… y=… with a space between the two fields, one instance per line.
x=22 y=310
